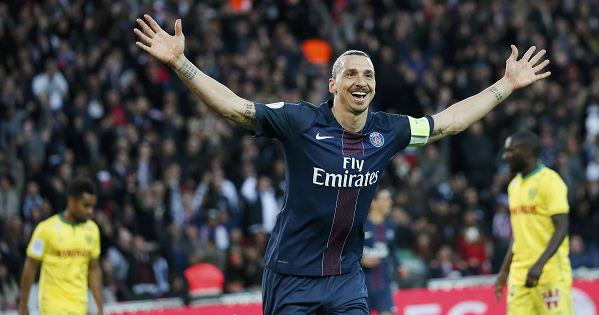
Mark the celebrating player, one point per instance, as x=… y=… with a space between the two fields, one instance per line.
x=335 y=155
x=537 y=261
x=67 y=246
x=379 y=236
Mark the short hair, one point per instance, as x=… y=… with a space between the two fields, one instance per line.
x=337 y=63
x=529 y=140
x=80 y=185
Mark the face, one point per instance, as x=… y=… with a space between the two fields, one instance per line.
x=514 y=156
x=384 y=202
x=82 y=208
x=354 y=83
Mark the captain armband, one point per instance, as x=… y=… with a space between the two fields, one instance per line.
x=420 y=131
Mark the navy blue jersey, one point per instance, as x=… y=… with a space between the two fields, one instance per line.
x=379 y=243
x=331 y=178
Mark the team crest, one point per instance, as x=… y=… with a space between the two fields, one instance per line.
x=58 y=227
x=377 y=139
x=532 y=193
x=88 y=239
x=551 y=299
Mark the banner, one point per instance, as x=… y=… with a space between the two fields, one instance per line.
x=481 y=300
x=467 y=301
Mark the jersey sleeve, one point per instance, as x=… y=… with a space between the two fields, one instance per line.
x=96 y=245
x=556 y=195
x=282 y=121
x=413 y=132
x=38 y=244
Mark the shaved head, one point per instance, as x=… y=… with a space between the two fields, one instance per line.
x=527 y=140
x=340 y=60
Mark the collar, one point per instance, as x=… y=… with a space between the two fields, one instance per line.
x=325 y=108
x=529 y=175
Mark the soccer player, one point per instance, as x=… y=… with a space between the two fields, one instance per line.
x=67 y=246
x=335 y=154
x=540 y=276
x=379 y=235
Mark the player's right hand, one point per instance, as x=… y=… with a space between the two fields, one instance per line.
x=166 y=48
x=499 y=284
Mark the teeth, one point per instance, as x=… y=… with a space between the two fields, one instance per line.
x=359 y=93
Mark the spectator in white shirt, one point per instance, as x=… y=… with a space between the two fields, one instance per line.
x=51 y=83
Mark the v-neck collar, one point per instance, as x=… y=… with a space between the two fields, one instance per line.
x=326 y=109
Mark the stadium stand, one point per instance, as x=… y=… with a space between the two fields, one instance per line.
x=180 y=186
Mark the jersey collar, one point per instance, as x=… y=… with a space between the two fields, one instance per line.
x=65 y=221
x=325 y=108
x=529 y=175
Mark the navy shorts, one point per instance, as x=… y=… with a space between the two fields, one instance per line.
x=381 y=300
x=286 y=294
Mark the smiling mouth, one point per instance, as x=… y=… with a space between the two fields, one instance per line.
x=359 y=96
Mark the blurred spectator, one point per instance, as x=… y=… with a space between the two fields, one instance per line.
x=581 y=255
x=33 y=200
x=214 y=231
x=9 y=290
x=148 y=272
x=51 y=84
x=9 y=199
x=472 y=246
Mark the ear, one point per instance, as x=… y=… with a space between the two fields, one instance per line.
x=332 y=87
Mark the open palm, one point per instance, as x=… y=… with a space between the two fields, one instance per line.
x=522 y=73
x=160 y=44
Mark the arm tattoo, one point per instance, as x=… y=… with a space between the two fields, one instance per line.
x=188 y=70
x=437 y=132
x=496 y=92
x=250 y=115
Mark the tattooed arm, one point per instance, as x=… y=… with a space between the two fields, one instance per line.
x=217 y=96
x=169 y=49
x=461 y=115
x=518 y=74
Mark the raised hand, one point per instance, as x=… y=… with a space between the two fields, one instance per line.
x=166 y=48
x=522 y=73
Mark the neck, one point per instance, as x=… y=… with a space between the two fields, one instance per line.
x=530 y=166
x=348 y=119
x=67 y=216
x=375 y=217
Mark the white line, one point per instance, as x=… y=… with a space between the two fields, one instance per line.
x=331 y=232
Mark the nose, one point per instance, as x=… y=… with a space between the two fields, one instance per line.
x=504 y=156
x=360 y=81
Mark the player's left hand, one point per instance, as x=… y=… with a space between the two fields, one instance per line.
x=523 y=72
x=534 y=273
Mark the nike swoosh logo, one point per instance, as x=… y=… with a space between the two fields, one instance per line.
x=367 y=235
x=318 y=137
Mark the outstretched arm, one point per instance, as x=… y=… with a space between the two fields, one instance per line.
x=518 y=74
x=169 y=49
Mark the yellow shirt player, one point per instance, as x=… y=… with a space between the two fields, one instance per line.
x=540 y=276
x=67 y=246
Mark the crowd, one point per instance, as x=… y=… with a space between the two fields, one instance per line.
x=178 y=185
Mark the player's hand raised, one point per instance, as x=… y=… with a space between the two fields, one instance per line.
x=166 y=48
x=524 y=72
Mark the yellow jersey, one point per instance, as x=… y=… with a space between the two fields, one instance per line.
x=533 y=199
x=65 y=250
